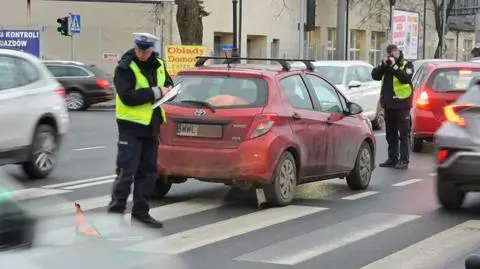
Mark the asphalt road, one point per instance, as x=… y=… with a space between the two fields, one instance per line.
x=396 y=223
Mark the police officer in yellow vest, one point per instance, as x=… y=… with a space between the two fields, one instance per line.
x=396 y=73
x=140 y=79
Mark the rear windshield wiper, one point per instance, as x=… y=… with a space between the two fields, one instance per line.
x=202 y=103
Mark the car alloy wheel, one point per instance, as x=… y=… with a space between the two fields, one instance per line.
x=365 y=166
x=361 y=174
x=287 y=178
x=75 y=100
x=44 y=155
x=281 y=190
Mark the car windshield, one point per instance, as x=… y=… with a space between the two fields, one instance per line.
x=454 y=79
x=99 y=72
x=221 y=91
x=333 y=74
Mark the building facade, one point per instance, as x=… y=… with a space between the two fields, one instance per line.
x=269 y=29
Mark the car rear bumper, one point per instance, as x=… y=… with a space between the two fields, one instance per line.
x=424 y=123
x=99 y=96
x=462 y=169
x=253 y=160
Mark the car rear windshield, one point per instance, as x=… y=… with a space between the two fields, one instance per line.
x=99 y=72
x=222 y=91
x=333 y=74
x=457 y=79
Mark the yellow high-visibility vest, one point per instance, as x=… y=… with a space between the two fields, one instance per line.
x=401 y=90
x=141 y=114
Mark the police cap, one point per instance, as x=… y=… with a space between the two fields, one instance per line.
x=145 y=41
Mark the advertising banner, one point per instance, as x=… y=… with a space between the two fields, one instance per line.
x=22 y=40
x=405 y=32
x=180 y=57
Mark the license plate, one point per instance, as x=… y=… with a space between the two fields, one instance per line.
x=199 y=130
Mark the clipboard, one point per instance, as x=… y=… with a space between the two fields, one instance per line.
x=172 y=93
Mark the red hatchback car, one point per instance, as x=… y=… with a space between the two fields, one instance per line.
x=262 y=126
x=436 y=85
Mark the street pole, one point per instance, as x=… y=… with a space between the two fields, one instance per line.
x=29 y=11
x=72 y=48
x=424 y=28
x=341 y=31
x=392 y=24
x=235 y=29
x=301 y=30
x=444 y=29
x=347 y=32
x=240 y=22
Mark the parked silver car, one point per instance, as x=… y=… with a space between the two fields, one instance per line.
x=457 y=144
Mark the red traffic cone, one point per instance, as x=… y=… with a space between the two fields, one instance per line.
x=82 y=226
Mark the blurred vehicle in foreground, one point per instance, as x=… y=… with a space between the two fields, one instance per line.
x=263 y=126
x=457 y=145
x=33 y=117
x=436 y=85
x=418 y=63
x=85 y=84
x=354 y=80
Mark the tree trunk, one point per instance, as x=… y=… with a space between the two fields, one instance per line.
x=438 y=9
x=189 y=22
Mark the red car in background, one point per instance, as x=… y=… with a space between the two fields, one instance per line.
x=262 y=126
x=436 y=85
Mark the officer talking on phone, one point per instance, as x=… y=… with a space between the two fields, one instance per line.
x=396 y=73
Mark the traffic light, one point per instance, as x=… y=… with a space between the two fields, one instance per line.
x=63 y=28
x=311 y=11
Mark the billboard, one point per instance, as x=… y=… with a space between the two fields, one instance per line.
x=22 y=40
x=405 y=32
x=181 y=57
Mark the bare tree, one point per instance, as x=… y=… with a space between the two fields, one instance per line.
x=190 y=14
x=438 y=9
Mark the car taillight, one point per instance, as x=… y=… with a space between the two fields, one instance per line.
x=61 y=91
x=262 y=124
x=442 y=156
x=103 y=83
x=422 y=100
x=451 y=114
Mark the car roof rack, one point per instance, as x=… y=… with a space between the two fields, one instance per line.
x=229 y=60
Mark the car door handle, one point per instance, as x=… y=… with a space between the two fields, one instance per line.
x=296 y=117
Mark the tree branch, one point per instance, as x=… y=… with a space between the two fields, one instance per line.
x=282 y=9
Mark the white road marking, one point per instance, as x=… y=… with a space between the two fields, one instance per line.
x=208 y=234
x=176 y=210
x=34 y=193
x=379 y=134
x=89 y=148
x=433 y=174
x=75 y=182
x=435 y=251
x=74 y=187
x=359 y=195
x=407 y=182
x=307 y=246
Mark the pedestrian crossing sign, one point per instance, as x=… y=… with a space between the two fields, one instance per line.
x=75 y=24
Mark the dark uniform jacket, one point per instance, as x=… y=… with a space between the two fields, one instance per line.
x=387 y=94
x=124 y=80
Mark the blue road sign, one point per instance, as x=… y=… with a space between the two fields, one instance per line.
x=22 y=40
x=75 y=27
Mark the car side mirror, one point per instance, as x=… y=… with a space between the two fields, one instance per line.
x=354 y=84
x=354 y=108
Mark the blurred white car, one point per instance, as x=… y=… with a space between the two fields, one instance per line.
x=33 y=114
x=354 y=80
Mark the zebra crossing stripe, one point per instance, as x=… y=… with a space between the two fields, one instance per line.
x=208 y=234
x=435 y=251
x=316 y=243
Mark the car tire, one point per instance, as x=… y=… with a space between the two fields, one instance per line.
x=416 y=143
x=43 y=153
x=448 y=195
x=359 y=178
x=379 y=122
x=281 y=191
x=76 y=101
x=162 y=187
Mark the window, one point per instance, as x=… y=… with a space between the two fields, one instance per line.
x=419 y=77
x=364 y=73
x=450 y=48
x=376 y=41
x=354 y=45
x=352 y=75
x=8 y=74
x=222 y=91
x=28 y=72
x=326 y=95
x=76 y=72
x=99 y=72
x=467 y=48
x=58 y=71
x=453 y=79
x=296 y=92
x=333 y=74
x=332 y=43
